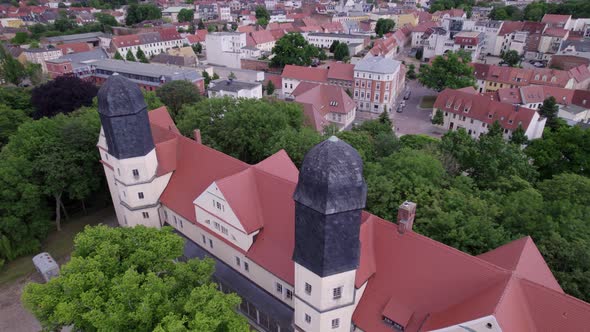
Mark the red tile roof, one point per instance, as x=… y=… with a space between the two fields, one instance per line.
x=74 y=48
x=325 y=98
x=554 y=19
x=510 y=27
x=310 y=74
x=555 y=32
x=126 y=41
x=341 y=71
x=523 y=258
x=262 y=37
x=484 y=109
x=169 y=34
x=409 y=278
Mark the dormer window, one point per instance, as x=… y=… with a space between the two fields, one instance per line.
x=490 y=116
x=537 y=77
x=135 y=173
x=544 y=78
x=510 y=121
x=554 y=79
x=456 y=107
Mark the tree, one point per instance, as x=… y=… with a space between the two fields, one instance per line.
x=262 y=21
x=118 y=56
x=341 y=52
x=10 y=120
x=438 y=118
x=503 y=13
x=152 y=100
x=549 y=110
x=231 y=76
x=20 y=38
x=137 y=13
x=186 y=15
x=201 y=25
x=64 y=23
x=211 y=28
x=565 y=150
x=518 y=136
x=261 y=12
x=134 y=267
x=333 y=46
x=449 y=71
x=270 y=88
x=16 y=98
x=293 y=49
x=495 y=130
x=129 y=56
x=383 y=26
x=512 y=58
x=534 y=11
x=254 y=123
x=176 y=94
x=62 y=95
x=197 y=48
x=295 y=142
x=411 y=73
x=141 y=56
x=10 y=69
x=106 y=19
x=206 y=78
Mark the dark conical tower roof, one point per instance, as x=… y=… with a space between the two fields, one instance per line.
x=124 y=118
x=331 y=178
x=329 y=199
x=119 y=96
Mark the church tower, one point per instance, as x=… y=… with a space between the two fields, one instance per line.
x=127 y=151
x=329 y=199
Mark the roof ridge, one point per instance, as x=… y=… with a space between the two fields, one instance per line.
x=570 y=298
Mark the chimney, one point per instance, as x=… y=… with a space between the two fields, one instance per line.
x=405 y=216
x=197 y=135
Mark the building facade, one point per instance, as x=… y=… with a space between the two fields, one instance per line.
x=377 y=83
x=225 y=48
x=297 y=246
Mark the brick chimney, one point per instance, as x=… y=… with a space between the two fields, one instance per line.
x=405 y=216
x=197 y=135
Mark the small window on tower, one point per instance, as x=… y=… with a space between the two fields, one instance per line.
x=337 y=292
x=135 y=173
x=279 y=288
x=307 y=288
x=336 y=323
x=145 y=215
x=246 y=266
x=140 y=194
x=289 y=294
x=307 y=318
x=238 y=261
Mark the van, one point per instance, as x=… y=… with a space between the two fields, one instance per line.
x=407 y=95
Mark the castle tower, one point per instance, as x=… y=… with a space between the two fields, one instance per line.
x=329 y=199
x=127 y=151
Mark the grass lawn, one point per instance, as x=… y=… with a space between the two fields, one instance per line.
x=427 y=102
x=58 y=244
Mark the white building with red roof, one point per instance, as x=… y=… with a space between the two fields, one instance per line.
x=325 y=104
x=298 y=248
x=474 y=112
x=377 y=83
x=151 y=43
x=335 y=73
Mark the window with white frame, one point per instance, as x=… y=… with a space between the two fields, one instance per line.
x=224 y=230
x=246 y=266
x=217 y=226
x=307 y=288
x=289 y=294
x=335 y=323
x=135 y=173
x=145 y=215
x=307 y=318
x=337 y=293
x=279 y=288
x=238 y=261
x=140 y=195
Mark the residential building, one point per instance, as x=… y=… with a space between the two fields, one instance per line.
x=225 y=13
x=41 y=55
x=490 y=30
x=558 y=21
x=491 y=78
x=467 y=109
x=151 y=43
x=297 y=247
x=235 y=89
x=436 y=41
x=78 y=64
x=262 y=40
x=325 y=104
x=377 y=83
x=172 y=13
x=339 y=74
x=148 y=76
x=325 y=40
x=580 y=48
x=224 y=48
x=471 y=42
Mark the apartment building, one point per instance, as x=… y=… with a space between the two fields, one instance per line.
x=377 y=83
x=41 y=55
x=235 y=89
x=151 y=43
x=224 y=48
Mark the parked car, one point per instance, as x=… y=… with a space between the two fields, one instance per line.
x=402 y=103
x=400 y=108
x=46 y=266
x=407 y=95
x=539 y=64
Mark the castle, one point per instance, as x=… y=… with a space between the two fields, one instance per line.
x=298 y=248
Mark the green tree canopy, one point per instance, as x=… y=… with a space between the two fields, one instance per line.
x=137 y=13
x=186 y=15
x=262 y=13
x=141 y=56
x=118 y=56
x=449 y=71
x=10 y=69
x=383 y=26
x=129 y=56
x=270 y=88
x=341 y=52
x=293 y=49
x=255 y=124
x=125 y=279
x=511 y=57
x=176 y=94
x=549 y=110
x=62 y=95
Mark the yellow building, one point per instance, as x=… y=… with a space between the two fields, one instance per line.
x=12 y=22
x=405 y=19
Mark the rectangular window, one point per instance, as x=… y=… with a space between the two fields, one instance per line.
x=337 y=293
x=204 y=239
x=307 y=318
x=216 y=224
x=238 y=261
x=336 y=323
x=145 y=215
x=165 y=214
x=279 y=288
x=307 y=289
x=140 y=194
x=246 y=266
x=181 y=226
x=224 y=230
x=175 y=220
x=211 y=243
x=289 y=294
x=135 y=173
